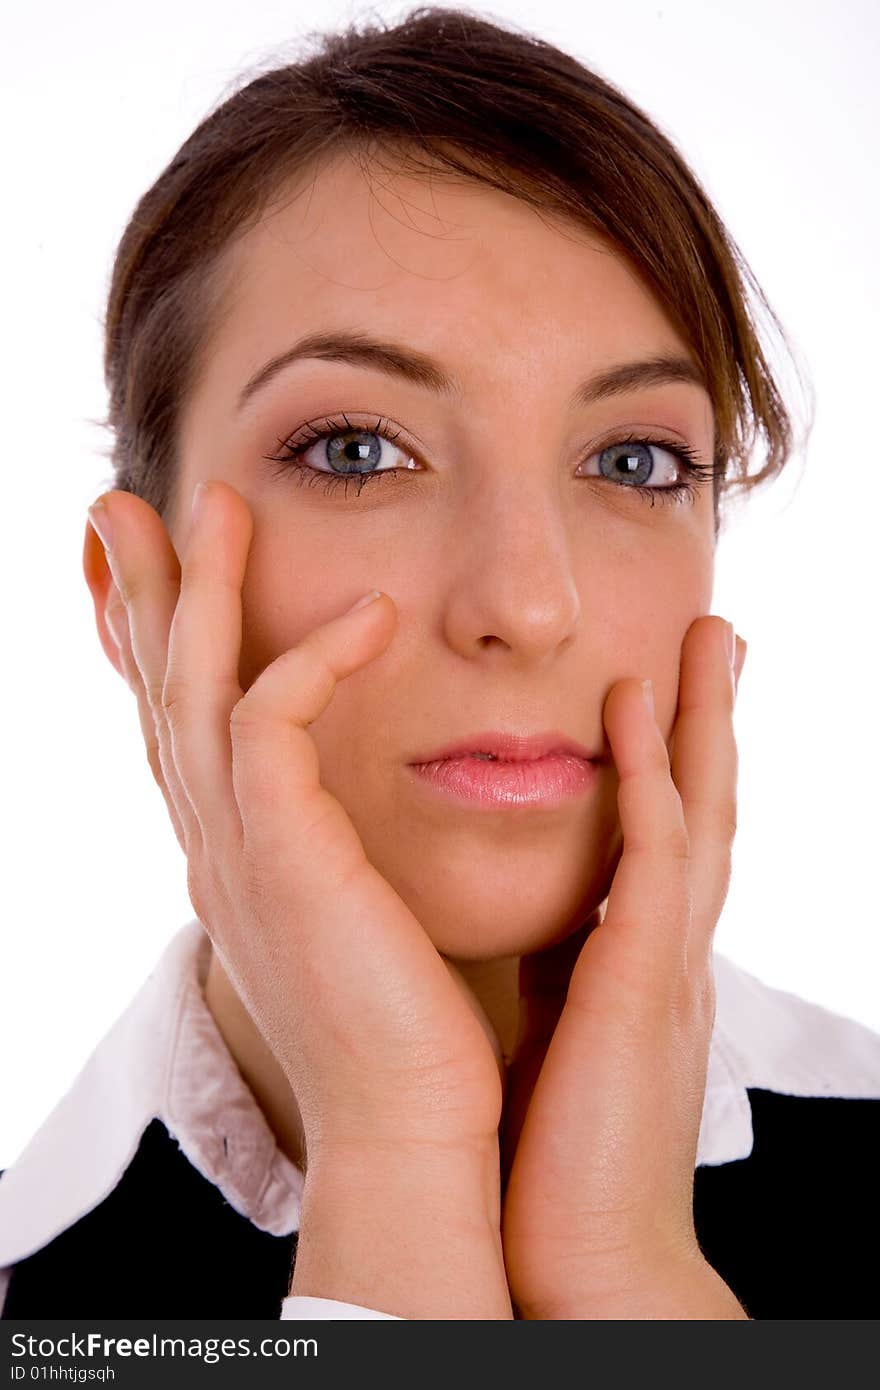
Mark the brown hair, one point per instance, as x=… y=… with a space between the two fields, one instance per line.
x=480 y=100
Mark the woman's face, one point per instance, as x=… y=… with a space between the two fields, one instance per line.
x=527 y=581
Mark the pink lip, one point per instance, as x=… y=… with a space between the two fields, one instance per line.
x=513 y=748
x=543 y=782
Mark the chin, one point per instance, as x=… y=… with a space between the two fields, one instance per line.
x=467 y=923
x=495 y=944
x=483 y=892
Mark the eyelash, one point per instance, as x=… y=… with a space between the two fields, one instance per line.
x=291 y=462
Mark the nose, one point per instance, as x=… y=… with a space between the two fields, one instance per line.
x=513 y=586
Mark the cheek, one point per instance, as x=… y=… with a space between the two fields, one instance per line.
x=295 y=582
x=647 y=608
x=673 y=609
x=293 y=585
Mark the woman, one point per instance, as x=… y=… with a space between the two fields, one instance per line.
x=447 y=1038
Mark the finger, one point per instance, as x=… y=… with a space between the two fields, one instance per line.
x=291 y=825
x=642 y=940
x=146 y=573
x=704 y=768
x=201 y=684
x=739 y=662
x=116 y=619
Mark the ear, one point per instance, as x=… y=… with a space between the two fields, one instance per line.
x=104 y=594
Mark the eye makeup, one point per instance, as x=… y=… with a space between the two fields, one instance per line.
x=292 y=462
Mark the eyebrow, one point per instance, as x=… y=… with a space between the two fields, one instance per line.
x=399 y=360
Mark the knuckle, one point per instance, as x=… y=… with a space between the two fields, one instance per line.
x=129 y=587
x=728 y=818
x=153 y=690
x=264 y=881
x=115 y=610
x=255 y=876
x=154 y=758
x=157 y=767
x=198 y=889
x=206 y=886
x=675 y=842
x=173 y=695
x=130 y=669
x=244 y=716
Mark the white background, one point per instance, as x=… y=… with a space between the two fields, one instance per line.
x=776 y=107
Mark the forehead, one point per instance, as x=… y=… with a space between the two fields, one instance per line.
x=450 y=265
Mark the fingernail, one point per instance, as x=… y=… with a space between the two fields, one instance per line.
x=648 y=696
x=198 y=498
x=730 y=638
x=99 y=517
x=739 y=662
x=367 y=598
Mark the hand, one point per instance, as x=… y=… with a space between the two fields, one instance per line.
x=605 y=1091
x=382 y=1044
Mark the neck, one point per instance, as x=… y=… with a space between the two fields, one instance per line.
x=493 y=984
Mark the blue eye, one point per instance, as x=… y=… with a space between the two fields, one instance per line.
x=353 y=453
x=355 y=459
x=630 y=463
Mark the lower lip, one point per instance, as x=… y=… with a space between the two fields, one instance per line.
x=543 y=782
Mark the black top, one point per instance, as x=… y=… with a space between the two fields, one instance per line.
x=156 y=1188
x=793 y=1229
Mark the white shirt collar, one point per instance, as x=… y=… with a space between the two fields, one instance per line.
x=774 y=1040
x=165 y=1057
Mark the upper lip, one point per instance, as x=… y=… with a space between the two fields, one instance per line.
x=512 y=747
